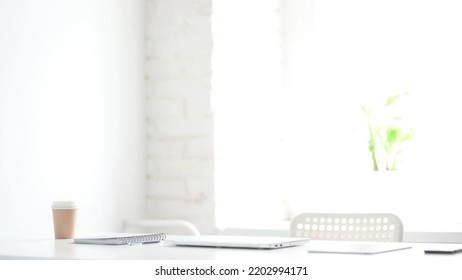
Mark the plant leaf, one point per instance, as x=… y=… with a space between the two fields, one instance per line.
x=393 y=98
x=365 y=109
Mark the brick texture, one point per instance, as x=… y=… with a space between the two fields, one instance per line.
x=179 y=114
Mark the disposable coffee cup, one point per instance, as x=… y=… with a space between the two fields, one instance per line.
x=64 y=219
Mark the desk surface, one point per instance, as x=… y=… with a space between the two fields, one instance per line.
x=410 y=263
x=66 y=249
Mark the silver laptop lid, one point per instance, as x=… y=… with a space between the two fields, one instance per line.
x=229 y=241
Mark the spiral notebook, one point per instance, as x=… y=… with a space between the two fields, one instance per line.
x=122 y=239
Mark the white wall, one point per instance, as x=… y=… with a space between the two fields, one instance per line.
x=180 y=127
x=71 y=113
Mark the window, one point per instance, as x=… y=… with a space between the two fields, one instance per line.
x=289 y=80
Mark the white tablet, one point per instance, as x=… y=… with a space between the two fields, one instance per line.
x=228 y=241
x=353 y=247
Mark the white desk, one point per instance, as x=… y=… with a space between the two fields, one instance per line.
x=410 y=263
x=67 y=250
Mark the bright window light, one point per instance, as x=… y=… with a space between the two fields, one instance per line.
x=289 y=81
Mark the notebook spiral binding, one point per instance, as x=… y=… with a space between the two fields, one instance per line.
x=145 y=238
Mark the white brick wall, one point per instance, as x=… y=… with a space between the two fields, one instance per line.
x=179 y=115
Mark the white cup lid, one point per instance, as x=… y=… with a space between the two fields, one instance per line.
x=63 y=205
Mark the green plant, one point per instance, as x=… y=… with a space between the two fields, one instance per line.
x=387 y=132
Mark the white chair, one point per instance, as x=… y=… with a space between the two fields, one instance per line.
x=352 y=226
x=167 y=226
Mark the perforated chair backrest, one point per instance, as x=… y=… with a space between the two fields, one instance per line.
x=340 y=226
